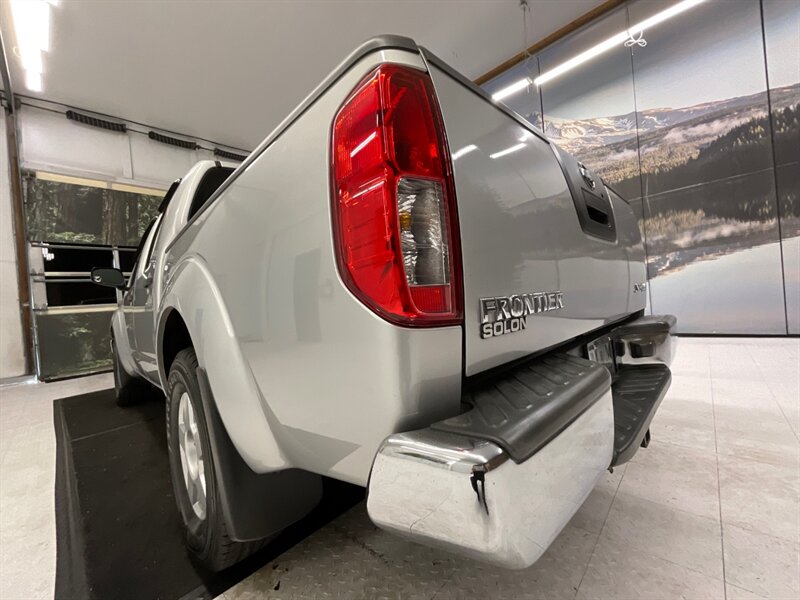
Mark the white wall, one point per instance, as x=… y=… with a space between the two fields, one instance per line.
x=12 y=357
x=50 y=142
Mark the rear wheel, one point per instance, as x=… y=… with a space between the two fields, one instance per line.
x=194 y=479
x=128 y=390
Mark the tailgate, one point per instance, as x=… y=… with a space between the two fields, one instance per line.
x=545 y=254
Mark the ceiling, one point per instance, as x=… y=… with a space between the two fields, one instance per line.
x=229 y=71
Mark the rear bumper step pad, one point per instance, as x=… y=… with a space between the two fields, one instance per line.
x=524 y=409
x=637 y=394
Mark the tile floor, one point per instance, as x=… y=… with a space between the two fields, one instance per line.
x=27 y=480
x=710 y=510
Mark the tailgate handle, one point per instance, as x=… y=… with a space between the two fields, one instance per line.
x=589 y=194
x=597 y=209
x=597 y=214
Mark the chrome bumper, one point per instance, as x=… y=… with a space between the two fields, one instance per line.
x=467 y=496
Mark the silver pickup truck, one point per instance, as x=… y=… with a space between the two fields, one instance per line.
x=407 y=287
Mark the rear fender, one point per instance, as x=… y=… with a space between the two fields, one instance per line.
x=190 y=289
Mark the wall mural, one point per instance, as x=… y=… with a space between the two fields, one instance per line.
x=682 y=128
x=80 y=214
x=782 y=43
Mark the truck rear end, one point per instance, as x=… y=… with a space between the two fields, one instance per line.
x=419 y=293
x=450 y=210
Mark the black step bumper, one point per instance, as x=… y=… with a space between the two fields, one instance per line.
x=637 y=394
x=643 y=351
x=523 y=409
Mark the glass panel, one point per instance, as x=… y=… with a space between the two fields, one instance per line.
x=782 y=36
x=72 y=212
x=73 y=344
x=590 y=111
x=525 y=102
x=127 y=258
x=65 y=212
x=76 y=260
x=708 y=182
x=78 y=293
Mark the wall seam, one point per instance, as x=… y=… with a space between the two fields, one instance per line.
x=639 y=161
x=774 y=164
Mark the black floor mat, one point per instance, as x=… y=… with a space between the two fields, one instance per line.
x=118 y=530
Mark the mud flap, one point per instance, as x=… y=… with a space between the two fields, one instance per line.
x=254 y=505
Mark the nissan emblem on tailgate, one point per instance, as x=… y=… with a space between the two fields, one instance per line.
x=509 y=314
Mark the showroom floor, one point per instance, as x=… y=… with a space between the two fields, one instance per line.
x=710 y=510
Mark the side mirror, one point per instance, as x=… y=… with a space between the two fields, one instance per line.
x=108 y=278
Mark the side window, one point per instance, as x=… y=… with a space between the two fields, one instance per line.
x=140 y=262
x=145 y=249
x=152 y=243
x=142 y=242
x=212 y=179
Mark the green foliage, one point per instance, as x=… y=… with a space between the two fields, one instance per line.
x=64 y=212
x=73 y=237
x=73 y=343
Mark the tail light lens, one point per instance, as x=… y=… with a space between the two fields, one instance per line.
x=394 y=213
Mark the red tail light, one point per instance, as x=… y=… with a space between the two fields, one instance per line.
x=394 y=212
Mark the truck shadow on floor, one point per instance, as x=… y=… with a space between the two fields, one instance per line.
x=118 y=532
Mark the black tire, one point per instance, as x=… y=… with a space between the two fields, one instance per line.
x=206 y=536
x=128 y=390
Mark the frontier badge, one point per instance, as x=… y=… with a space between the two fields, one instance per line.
x=509 y=314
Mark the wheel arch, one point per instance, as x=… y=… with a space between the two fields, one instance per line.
x=193 y=314
x=248 y=507
x=173 y=337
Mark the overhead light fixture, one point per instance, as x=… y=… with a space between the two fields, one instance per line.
x=665 y=14
x=32 y=30
x=507 y=151
x=511 y=89
x=465 y=150
x=616 y=40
